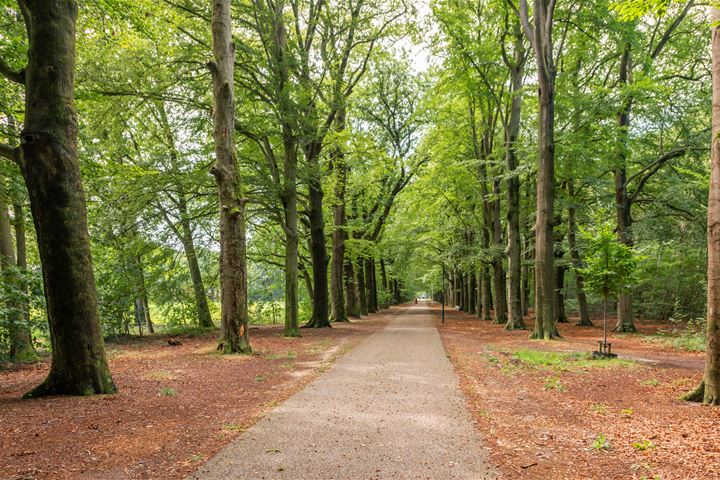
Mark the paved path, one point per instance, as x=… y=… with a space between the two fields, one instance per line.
x=390 y=409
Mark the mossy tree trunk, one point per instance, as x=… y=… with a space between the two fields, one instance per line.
x=48 y=162
x=233 y=263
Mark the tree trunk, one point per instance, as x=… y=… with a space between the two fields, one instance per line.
x=21 y=348
x=144 y=297
x=289 y=193
x=472 y=297
x=560 y=316
x=544 y=271
x=338 y=311
x=515 y=310
x=318 y=250
x=576 y=260
x=486 y=293
x=371 y=295
x=48 y=161
x=398 y=293
x=622 y=200
x=362 y=287
x=500 y=287
x=709 y=390
x=351 y=290
x=383 y=277
x=233 y=263
x=188 y=243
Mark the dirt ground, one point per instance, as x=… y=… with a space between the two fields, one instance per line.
x=176 y=406
x=621 y=421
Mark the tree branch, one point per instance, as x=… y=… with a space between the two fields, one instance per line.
x=11 y=153
x=10 y=74
x=646 y=173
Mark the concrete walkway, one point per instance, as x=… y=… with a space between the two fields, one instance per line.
x=390 y=409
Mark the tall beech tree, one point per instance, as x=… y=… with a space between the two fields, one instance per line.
x=539 y=32
x=233 y=267
x=48 y=161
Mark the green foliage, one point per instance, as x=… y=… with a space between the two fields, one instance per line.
x=643 y=445
x=610 y=265
x=600 y=443
x=553 y=383
x=168 y=392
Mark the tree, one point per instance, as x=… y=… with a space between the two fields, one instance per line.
x=233 y=267
x=539 y=34
x=708 y=392
x=48 y=161
x=610 y=267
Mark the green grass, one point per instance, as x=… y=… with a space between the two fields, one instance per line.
x=553 y=383
x=687 y=341
x=689 y=336
x=564 y=361
x=168 y=392
x=277 y=356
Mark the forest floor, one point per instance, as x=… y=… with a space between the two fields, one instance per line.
x=548 y=413
x=176 y=407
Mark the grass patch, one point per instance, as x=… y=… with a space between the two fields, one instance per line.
x=690 y=337
x=565 y=361
x=553 y=383
x=168 y=392
x=277 y=356
x=653 y=382
x=232 y=427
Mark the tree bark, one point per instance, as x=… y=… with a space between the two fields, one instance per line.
x=48 y=161
x=709 y=390
x=539 y=33
x=370 y=285
x=21 y=348
x=500 y=287
x=233 y=262
x=318 y=250
x=472 y=297
x=289 y=195
x=384 y=284
x=515 y=310
x=362 y=287
x=560 y=269
x=576 y=260
x=351 y=290
x=188 y=243
x=338 y=311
